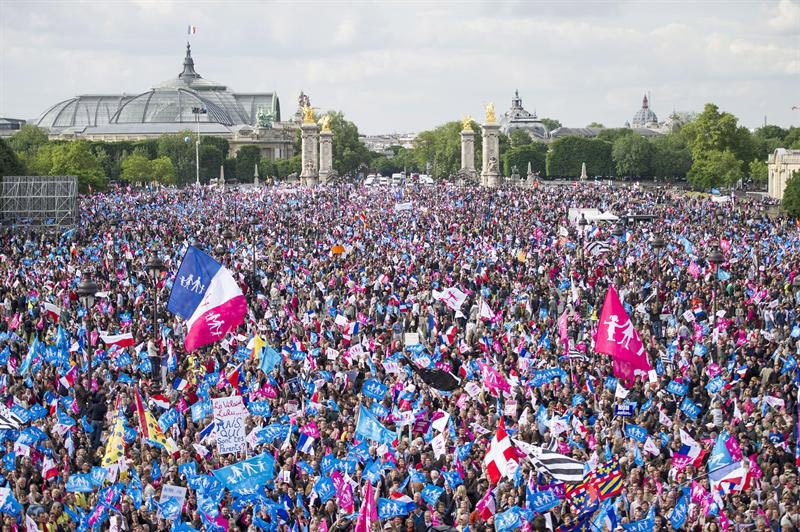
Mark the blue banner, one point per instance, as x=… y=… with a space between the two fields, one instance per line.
x=677 y=388
x=324 y=488
x=80 y=482
x=689 y=408
x=369 y=427
x=636 y=432
x=388 y=508
x=251 y=473
x=191 y=282
x=645 y=525
x=374 y=389
x=541 y=501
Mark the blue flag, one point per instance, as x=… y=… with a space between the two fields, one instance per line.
x=369 y=427
x=191 y=282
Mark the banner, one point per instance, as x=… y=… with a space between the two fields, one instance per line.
x=229 y=418
x=616 y=336
x=247 y=474
x=168 y=491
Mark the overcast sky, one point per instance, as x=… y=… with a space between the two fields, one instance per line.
x=409 y=66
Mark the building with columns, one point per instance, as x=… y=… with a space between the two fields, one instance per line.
x=252 y=118
x=782 y=163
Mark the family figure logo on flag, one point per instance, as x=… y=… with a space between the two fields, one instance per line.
x=212 y=309
x=627 y=351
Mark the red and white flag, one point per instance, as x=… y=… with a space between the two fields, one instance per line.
x=485 y=312
x=49 y=468
x=501 y=458
x=122 y=340
x=54 y=311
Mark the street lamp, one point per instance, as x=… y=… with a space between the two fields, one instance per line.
x=154 y=269
x=715 y=258
x=582 y=225
x=86 y=292
x=197 y=111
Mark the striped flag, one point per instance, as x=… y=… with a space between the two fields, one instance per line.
x=9 y=420
x=607 y=479
x=598 y=247
x=191 y=30
x=560 y=467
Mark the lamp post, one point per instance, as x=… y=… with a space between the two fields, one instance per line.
x=715 y=258
x=582 y=225
x=86 y=292
x=154 y=269
x=197 y=111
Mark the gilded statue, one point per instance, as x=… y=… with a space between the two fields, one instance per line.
x=466 y=123
x=490 y=118
x=325 y=123
x=308 y=114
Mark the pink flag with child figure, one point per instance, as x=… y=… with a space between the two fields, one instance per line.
x=617 y=337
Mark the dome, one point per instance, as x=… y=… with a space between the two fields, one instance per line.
x=86 y=110
x=170 y=105
x=644 y=117
x=517 y=118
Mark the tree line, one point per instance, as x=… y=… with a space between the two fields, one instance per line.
x=709 y=149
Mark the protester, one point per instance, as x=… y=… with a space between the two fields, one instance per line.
x=437 y=344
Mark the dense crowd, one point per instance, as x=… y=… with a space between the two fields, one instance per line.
x=346 y=285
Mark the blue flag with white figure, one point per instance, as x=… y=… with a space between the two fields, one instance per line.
x=369 y=427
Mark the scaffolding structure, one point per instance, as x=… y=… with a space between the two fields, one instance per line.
x=39 y=202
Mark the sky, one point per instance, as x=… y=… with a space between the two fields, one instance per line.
x=394 y=66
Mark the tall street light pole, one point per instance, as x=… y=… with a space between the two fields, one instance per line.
x=86 y=292
x=154 y=269
x=715 y=258
x=197 y=111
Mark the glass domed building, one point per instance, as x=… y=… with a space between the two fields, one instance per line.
x=187 y=101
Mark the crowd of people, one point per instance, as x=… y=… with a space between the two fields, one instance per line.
x=351 y=288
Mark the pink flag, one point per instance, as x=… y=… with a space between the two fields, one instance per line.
x=368 y=515
x=562 y=328
x=694 y=270
x=493 y=379
x=733 y=448
x=698 y=492
x=626 y=349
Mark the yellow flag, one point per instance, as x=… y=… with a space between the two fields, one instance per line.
x=157 y=435
x=521 y=256
x=115 y=448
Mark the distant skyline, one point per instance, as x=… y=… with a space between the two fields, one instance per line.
x=410 y=66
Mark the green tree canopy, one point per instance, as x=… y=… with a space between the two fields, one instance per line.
x=136 y=168
x=550 y=123
x=28 y=139
x=180 y=149
x=534 y=153
x=349 y=153
x=713 y=130
x=791 y=195
x=246 y=159
x=566 y=155
x=670 y=157
x=758 y=171
x=75 y=158
x=595 y=125
x=519 y=137
x=715 y=168
x=162 y=170
x=9 y=162
x=632 y=155
x=613 y=133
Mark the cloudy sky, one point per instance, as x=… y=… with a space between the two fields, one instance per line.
x=409 y=66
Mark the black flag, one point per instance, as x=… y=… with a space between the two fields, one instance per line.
x=435 y=378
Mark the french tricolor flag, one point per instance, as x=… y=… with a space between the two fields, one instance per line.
x=208 y=297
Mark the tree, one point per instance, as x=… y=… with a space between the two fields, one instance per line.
x=41 y=163
x=534 y=153
x=137 y=168
x=211 y=158
x=348 y=151
x=759 y=172
x=566 y=155
x=613 y=133
x=715 y=168
x=519 y=137
x=670 y=157
x=550 y=123
x=180 y=149
x=595 y=125
x=716 y=131
x=631 y=155
x=75 y=158
x=9 y=162
x=246 y=159
x=791 y=195
x=162 y=170
x=28 y=139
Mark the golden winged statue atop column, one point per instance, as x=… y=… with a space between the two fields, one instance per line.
x=466 y=123
x=490 y=118
x=325 y=123
x=308 y=114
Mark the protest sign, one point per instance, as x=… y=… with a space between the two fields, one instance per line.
x=229 y=417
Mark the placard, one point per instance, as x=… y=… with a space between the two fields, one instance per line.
x=168 y=491
x=229 y=418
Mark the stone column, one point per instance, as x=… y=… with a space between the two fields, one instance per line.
x=308 y=142
x=468 y=153
x=490 y=173
x=325 y=155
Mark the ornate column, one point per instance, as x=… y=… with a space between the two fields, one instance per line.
x=325 y=150
x=490 y=130
x=308 y=142
x=467 y=149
